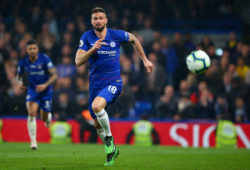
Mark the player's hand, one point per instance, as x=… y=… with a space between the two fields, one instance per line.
x=22 y=87
x=40 y=88
x=149 y=66
x=98 y=44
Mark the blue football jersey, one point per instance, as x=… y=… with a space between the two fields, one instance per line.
x=37 y=71
x=105 y=63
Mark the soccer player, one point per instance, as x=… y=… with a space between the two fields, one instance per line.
x=41 y=74
x=100 y=47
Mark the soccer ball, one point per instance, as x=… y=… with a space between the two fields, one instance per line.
x=198 y=61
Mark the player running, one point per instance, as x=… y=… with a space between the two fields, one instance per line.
x=41 y=74
x=100 y=47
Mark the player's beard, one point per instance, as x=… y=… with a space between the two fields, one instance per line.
x=99 y=29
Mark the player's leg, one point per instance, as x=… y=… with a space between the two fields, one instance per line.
x=46 y=117
x=100 y=130
x=107 y=96
x=98 y=106
x=45 y=108
x=32 y=108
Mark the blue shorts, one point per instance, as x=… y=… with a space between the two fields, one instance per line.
x=110 y=93
x=43 y=99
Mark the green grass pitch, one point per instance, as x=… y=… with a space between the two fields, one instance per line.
x=91 y=156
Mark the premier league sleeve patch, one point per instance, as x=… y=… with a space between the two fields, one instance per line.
x=81 y=43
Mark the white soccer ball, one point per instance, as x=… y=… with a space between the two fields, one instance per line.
x=198 y=61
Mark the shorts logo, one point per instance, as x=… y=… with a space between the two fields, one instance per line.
x=112 y=44
x=112 y=89
x=81 y=43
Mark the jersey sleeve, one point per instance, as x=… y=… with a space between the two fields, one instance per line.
x=122 y=35
x=20 y=67
x=48 y=63
x=83 y=44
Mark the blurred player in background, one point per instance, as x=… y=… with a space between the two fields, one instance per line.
x=41 y=74
x=100 y=47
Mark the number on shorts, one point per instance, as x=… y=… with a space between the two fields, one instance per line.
x=47 y=104
x=112 y=89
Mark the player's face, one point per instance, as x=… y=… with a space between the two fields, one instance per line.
x=32 y=50
x=99 y=21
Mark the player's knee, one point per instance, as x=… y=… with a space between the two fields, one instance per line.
x=96 y=107
x=32 y=113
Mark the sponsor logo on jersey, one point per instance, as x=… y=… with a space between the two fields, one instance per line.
x=39 y=73
x=32 y=66
x=110 y=53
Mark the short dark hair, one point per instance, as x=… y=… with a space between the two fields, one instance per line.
x=98 y=9
x=31 y=42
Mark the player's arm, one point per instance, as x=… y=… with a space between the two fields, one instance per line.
x=82 y=56
x=19 y=78
x=137 y=45
x=52 y=79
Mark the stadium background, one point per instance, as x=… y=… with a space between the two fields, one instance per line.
x=168 y=30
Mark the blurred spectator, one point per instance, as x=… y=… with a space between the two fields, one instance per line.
x=211 y=52
x=64 y=85
x=181 y=52
x=166 y=106
x=48 y=46
x=185 y=108
x=155 y=80
x=206 y=43
x=213 y=77
x=45 y=33
x=60 y=131
x=204 y=108
x=62 y=108
x=240 y=112
x=161 y=59
x=188 y=43
x=224 y=62
x=231 y=44
x=245 y=53
x=137 y=78
x=183 y=89
x=147 y=31
x=242 y=68
x=50 y=20
x=144 y=133
x=195 y=96
x=81 y=99
x=66 y=68
x=87 y=125
x=170 y=59
x=221 y=107
x=36 y=20
x=83 y=71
